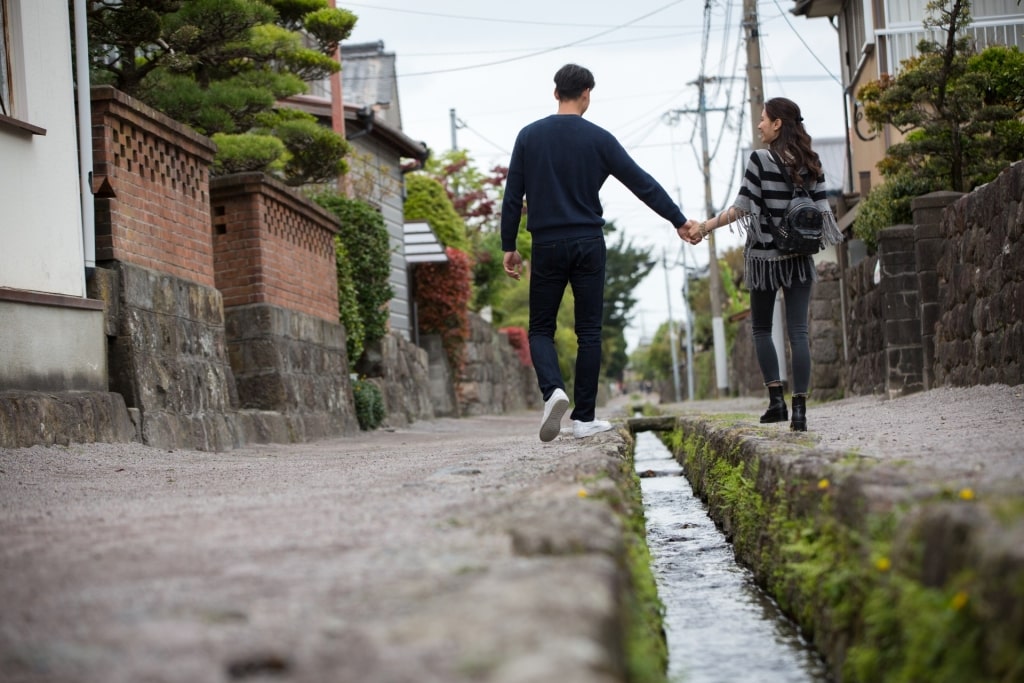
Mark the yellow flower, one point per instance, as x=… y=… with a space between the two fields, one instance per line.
x=823 y=484
x=959 y=601
x=582 y=493
x=883 y=564
x=967 y=494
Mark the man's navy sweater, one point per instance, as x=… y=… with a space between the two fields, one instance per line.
x=559 y=164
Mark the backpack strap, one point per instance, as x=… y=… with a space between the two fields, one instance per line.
x=782 y=169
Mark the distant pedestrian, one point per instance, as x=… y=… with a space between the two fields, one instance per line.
x=559 y=164
x=762 y=201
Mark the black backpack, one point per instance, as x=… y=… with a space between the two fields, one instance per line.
x=799 y=231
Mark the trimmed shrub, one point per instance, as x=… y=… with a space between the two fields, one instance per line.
x=369 y=404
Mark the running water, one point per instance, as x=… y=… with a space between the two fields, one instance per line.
x=720 y=627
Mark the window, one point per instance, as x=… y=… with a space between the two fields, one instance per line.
x=5 y=63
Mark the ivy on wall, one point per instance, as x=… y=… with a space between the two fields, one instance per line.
x=442 y=298
x=426 y=200
x=364 y=253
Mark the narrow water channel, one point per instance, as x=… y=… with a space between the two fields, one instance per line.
x=720 y=627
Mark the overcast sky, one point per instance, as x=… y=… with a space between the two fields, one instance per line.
x=493 y=64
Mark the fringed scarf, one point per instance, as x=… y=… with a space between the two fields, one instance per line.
x=763 y=197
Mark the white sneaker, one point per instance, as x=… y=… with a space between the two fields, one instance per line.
x=554 y=409
x=584 y=429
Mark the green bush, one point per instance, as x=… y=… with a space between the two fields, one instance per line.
x=426 y=200
x=888 y=204
x=369 y=404
x=243 y=153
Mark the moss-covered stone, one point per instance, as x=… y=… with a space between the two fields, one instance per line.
x=893 y=577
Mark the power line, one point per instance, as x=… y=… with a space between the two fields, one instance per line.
x=559 y=24
x=801 y=39
x=645 y=39
x=544 y=51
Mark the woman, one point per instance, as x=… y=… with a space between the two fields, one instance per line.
x=762 y=202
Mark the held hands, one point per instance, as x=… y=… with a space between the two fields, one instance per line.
x=690 y=231
x=513 y=264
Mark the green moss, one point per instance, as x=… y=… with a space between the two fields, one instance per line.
x=645 y=647
x=857 y=591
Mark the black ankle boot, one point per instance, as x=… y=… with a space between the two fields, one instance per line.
x=776 y=406
x=799 y=422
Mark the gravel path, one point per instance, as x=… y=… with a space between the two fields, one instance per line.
x=456 y=550
x=453 y=550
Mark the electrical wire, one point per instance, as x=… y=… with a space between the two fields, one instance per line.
x=544 y=51
x=801 y=39
x=469 y=53
x=559 y=24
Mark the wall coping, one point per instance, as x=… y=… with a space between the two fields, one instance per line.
x=935 y=199
x=205 y=148
x=235 y=184
x=23 y=296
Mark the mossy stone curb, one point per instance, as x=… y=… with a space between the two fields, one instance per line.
x=891 y=571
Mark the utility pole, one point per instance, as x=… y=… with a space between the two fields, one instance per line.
x=755 y=85
x=671 y=329
x=456 y=123
x=755 y=77
x=714 y=275
x=689 y=326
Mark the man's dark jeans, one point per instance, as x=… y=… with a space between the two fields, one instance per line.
x=579 y=263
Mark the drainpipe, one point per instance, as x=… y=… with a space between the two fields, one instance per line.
x=85 y=137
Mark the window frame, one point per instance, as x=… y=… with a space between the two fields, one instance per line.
x=9 y=87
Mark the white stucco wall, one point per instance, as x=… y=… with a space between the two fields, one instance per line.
x=40 y=218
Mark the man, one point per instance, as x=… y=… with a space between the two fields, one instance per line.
x=560 y=163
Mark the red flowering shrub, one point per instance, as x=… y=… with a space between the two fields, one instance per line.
x=520 y=341
x=442 y=298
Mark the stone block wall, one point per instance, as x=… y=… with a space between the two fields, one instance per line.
x=401 y=370
x=828 y=368
x=929 y=246
x=293 y=366
x=865 y=372
x=494 y=380
x=167 y=354
x=273 y=246
x=979 y=332
x=901 y=311
x=151 y=177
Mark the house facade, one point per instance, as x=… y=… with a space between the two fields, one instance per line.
x=382 y=155
x=51 y=334
x=875 y=38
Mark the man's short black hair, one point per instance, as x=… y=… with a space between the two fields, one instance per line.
x=571 y=80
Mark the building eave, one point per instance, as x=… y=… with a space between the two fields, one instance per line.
x=358 y=122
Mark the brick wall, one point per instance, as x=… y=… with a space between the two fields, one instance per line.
x=151 y=176
x=273 y=246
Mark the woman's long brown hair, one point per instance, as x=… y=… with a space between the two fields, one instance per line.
x=793 y=142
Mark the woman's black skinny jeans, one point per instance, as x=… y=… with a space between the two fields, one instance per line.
x=762 y=307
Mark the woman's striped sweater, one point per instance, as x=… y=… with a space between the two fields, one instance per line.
x=764 y=196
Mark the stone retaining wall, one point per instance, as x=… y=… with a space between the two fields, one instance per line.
x=167 y=356
x=979 y=330
x=495 y=380
x=294 y=366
